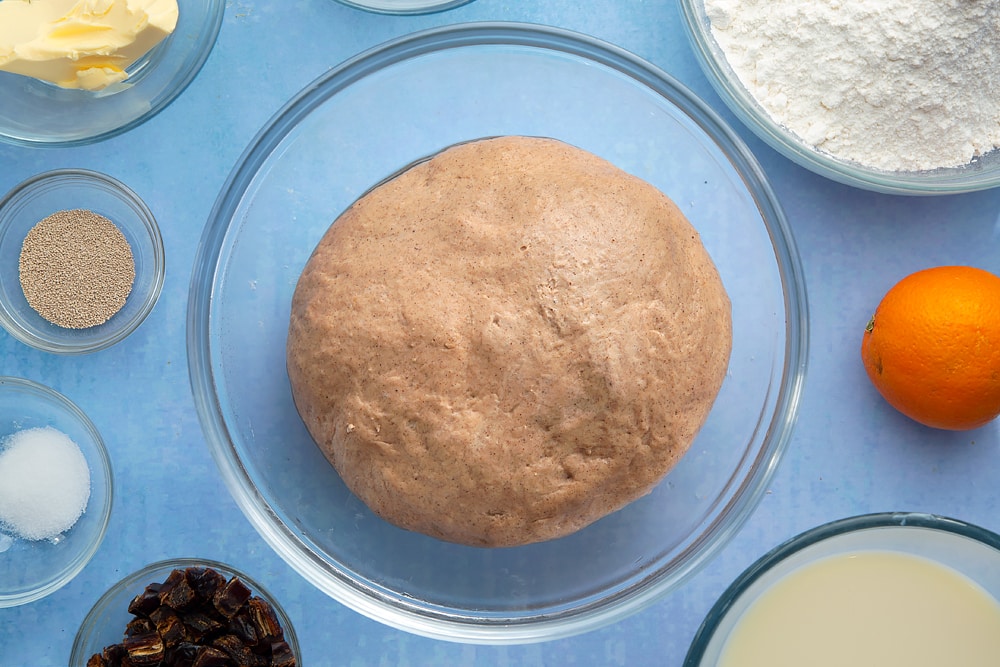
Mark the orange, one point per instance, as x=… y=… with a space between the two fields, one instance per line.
x=932 y=348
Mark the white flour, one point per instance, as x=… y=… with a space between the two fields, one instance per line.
x=900 y=85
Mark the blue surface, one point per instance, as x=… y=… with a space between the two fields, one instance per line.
x=850 y=452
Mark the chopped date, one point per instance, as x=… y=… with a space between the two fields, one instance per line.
x=241 y=626
x=264 y=619
x=114 y=655
x=168 y=625
x=198 y=618
x=231 y=597
x=145 y=649
x=205 y=581
x=144 y=603
x=199 y=625
x=139 y=626
x=281 y=655
x=181 y=655
x=176 y=592
x=211 y=657
x=239 y=652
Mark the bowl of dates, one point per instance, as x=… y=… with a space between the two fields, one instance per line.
x=185 y=612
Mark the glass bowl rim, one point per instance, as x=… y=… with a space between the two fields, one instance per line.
x=104 y=461
x=749 y=112
x=370 y=600
x=141 y=577
x=426 y=7
x=206 y=45
x=115 y=188
x=815 y=535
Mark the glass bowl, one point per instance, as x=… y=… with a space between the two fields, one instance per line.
x=37 y=113
x=969 y=552
x=365 y=120
x=980 y=174
x=35 y=568
x=67 y=189
x=404 y=6
x=105 y=624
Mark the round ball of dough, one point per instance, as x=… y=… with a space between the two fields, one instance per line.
x=507 y=341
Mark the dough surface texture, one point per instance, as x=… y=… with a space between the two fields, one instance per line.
x=507 y=342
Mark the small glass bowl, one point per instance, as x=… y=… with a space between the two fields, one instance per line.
x=980 y=174
x=65 y=189
x=105 y=624
x=970 y=551
x=38 y=113
x=35 y=568
x=404 y=6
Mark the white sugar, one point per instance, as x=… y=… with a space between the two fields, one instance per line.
x=44 y=483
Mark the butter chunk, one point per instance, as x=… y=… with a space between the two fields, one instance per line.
x=84 y=44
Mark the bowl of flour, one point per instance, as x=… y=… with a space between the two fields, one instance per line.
x=896 y=96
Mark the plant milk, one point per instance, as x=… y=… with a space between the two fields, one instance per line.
x=868 y=609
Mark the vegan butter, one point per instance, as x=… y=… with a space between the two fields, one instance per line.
x=81 y=43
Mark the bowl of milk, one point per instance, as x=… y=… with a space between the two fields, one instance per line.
x=880 y=589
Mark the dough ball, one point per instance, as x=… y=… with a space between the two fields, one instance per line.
x=507 y=341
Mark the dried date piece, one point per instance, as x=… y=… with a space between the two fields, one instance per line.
x=209 y=656
x=176 y=592
x=239 y=652
x=241 y=626
x=181 y=655
x=281 y=655
x=168 y=625
x=199 y=626
x=114 y=655
x=205 y=581
x=265 y=621
x=144 y=650
x=230 y=598
x=139 y=627
x=144 y=603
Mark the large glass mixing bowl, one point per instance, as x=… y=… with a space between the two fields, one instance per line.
x=363 y=121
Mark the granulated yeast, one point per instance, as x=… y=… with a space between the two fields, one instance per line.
x=76 y=268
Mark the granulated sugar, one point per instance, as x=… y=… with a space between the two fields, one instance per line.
x=899 y=85
x=44 y=483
